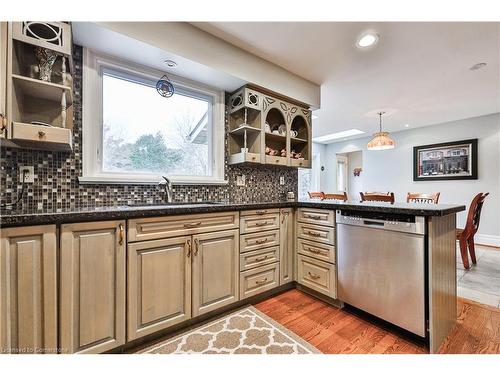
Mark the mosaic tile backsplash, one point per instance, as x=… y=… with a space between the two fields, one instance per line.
x=57 y=189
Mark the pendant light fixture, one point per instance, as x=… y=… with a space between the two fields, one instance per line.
x=381 y=140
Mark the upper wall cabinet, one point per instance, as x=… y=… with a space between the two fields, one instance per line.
x=268 y=130
x=38 y=85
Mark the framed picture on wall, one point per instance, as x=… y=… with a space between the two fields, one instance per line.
x=446 y=161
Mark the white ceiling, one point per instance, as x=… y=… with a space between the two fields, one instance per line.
x=418 y=72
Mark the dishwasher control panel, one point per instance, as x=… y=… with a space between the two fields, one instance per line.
x=395 y=222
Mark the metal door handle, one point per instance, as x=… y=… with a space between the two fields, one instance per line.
x=188 y=242
x=41 y=134
x=121 y=230
x=196 y=246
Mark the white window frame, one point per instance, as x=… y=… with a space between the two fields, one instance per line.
x=94 y=64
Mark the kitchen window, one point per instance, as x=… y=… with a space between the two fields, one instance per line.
x=131 y=134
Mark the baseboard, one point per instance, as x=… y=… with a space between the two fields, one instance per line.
x=487 y=239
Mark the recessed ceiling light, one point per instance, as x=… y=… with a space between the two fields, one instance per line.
x=170 y=63
x=407 y=125
x=367 y=40
x=330 y=137
x=478 y=66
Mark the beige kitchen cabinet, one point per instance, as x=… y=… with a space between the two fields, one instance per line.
x=158 y=285
x=286 y=245
x=92 y=286
x=215 y=270
x=3 y=79
x=28 y=290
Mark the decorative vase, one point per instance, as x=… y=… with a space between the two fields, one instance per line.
x=46 y=59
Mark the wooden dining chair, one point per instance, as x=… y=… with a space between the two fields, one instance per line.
x=465 y=236
x=336 y=196
x=377 y=197
x=316 y=194
x=423 y=198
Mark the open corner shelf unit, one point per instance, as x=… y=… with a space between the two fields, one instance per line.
x=36 y=113
x=266 y=129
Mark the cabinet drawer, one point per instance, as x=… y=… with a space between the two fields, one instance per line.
x=316 y=233
x=255 y=241
x=258 y=258
x=262 y=211
x=317 y=275
x=39 y=133
x=316 y=216
x=300 y=163
x=276 y=160
x=316 y=250
x=259 y=223
x=180 y=225
x=259 y=280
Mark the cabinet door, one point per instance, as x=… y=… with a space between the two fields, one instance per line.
x=92 y=286
x=215 y=270
x=28 y=290
x=3 y=78
x=286 y=245
x=159 y=285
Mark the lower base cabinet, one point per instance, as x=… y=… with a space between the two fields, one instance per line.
x=158 y=286
x=174 y=279
x=92 y=286
x=28 y=290
x=215 y=270
x=317 y=275
x=259 y=280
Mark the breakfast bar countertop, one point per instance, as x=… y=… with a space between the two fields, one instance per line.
x=10 y=218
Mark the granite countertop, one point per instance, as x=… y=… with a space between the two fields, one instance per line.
x=9 y=218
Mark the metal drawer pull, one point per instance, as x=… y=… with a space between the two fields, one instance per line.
x=260 y=259
x=315 y=234
x=314 y=276
x=189 y=248
x=314 y=251
x=192 y=225
x=261 y=241
x=314 y=217
x=122 y=233
x=260 y=282
x=41 y=134
x=261 y=223
x=261 y=212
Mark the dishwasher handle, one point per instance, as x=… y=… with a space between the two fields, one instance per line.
x=373 y=223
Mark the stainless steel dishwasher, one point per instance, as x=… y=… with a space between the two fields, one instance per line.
x=381 y=266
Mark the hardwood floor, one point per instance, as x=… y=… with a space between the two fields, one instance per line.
x=333 y=330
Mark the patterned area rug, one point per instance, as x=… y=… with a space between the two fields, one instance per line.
x=246 y=331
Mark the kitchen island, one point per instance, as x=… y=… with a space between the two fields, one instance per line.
x=257 y=237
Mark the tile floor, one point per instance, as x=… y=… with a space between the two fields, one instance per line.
x=480 y=283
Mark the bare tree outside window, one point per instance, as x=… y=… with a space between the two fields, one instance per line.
x=146 y=133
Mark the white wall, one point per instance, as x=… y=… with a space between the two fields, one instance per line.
x=354 y=160
x=188 y=41
x=392 y=170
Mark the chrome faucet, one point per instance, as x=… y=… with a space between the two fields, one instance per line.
x=166 y=186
